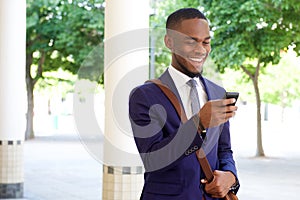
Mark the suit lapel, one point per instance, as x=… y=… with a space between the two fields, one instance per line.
x=167 y=80
x=212 y=90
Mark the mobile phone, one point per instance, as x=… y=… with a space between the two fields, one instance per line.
x=229 y=95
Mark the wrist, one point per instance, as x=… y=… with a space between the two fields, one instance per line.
x=199 y=125
x=231 y=179
x=235 y=187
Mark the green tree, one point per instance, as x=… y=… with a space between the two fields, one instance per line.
x=280 y=83
x=250 y=34
x=60 y=34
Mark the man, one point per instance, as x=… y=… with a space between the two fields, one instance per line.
x=167 y=146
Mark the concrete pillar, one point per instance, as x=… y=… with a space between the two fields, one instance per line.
x=12 y=96
x=126 y=58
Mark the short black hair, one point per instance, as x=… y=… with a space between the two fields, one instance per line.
x=178 y=16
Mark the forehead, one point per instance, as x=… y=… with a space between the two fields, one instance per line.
x=197 y=28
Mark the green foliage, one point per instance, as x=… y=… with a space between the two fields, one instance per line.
x=56 y=83
x=66 y=31
x=243 y=31
x=252 y=29
x=279 y=83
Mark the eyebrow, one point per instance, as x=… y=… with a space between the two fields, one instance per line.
x=196 y=39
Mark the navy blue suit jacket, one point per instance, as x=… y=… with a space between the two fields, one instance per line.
x=167 y=146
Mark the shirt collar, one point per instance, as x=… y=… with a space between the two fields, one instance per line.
x=181 y=78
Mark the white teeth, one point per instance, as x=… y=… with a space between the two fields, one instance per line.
x=196 y=59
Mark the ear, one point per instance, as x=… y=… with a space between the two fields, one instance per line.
x=169 y=41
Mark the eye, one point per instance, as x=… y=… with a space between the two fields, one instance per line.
x=206 y=42
x=190 y=42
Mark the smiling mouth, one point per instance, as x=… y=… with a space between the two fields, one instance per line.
x=194 y=59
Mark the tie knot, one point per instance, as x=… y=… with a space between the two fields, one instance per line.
x=192 y=83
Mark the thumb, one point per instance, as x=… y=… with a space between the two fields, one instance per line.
x=203 y=181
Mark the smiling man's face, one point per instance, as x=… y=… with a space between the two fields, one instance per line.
x=190 y=45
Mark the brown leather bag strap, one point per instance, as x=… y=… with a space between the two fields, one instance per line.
x=205 y=165
x=172 y=97
x=201 y=156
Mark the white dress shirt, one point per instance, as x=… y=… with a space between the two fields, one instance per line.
x=180 y=81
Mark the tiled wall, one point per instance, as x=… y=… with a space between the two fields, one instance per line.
x=122 y=183
x=11 y=169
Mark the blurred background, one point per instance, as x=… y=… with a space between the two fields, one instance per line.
x=255 y=51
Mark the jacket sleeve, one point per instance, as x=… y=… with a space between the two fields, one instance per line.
x=226 y=161
x=162 y=140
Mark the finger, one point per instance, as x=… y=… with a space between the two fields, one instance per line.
x=233 y=100
x=230 y=114
x=217 y=196
x=229 y=101
x=219 y=108
x=221 y=102
x=231 y=108
x=217 y=102
x=217 y=193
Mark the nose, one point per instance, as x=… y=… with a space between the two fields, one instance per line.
x=200 y=49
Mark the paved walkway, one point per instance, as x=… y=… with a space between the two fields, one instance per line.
x=58 y=167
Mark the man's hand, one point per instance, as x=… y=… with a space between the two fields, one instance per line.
x=216 y=112
x=220 y=185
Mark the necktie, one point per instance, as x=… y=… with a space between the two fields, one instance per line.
x=194 y=96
